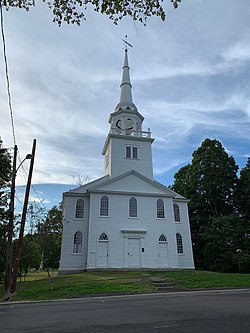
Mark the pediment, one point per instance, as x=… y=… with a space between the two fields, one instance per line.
x=134 y=182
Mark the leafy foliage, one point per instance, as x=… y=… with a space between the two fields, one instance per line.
x=74 y=11
x=219 y=207
x=30 y=254
x=243 y=191
x=49 y=235
x=214 y=176
x=225 y=240
x=5 y=177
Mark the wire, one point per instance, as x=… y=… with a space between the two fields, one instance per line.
x=16 y=196
x=7 y=75
x=40 y=200
x=32 y=186
x=10 y=102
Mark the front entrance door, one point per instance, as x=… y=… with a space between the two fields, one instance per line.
x=103 y=254
x=163 y=254
x=134 y=259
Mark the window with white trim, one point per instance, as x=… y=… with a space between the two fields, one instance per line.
x=79 y=213
x=179 y=243
x=77 y=245
x=160 y=209
x=131 y=152
x=104 y=206
x=177 y=216
x=132 y=207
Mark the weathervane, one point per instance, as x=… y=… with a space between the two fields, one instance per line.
x=126 y=43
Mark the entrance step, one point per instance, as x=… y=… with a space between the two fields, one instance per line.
x=160 y=284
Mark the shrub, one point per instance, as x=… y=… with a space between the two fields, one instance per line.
x=244 y=263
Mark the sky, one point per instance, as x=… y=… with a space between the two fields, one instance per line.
x=190 y=78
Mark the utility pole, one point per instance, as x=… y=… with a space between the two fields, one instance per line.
x=23 y=219
x=9 y=247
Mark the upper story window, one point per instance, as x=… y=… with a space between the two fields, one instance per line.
x=179 y=243
x=104 y=206
x=77 y=246
x=79 y=213
x=160 y=209
x=177 y=216
x=132 y=207
x=131 y=152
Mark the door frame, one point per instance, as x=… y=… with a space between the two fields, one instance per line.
x=139 y=239
x=98 y=251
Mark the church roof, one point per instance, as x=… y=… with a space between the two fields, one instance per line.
x=84 y=188
x=132 y=183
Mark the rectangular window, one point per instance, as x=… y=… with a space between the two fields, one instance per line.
x=128 y=152
x=131 y=152
x=135 y=149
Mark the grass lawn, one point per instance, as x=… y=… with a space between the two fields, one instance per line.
x=37 y=287
x=204 y=279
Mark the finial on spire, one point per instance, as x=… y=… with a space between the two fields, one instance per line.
x=126 y=43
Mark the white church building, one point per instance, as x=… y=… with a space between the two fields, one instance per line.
x=125 y=219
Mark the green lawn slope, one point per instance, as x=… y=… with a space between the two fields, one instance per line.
x=37 y=287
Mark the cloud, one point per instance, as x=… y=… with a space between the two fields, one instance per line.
x=190 y=78
x=240 y=52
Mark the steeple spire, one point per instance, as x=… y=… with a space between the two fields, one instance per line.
x=126 y=92
x=126 y=100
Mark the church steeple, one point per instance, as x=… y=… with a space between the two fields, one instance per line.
x=126 y=100
x=127 y=146
x=126 y=93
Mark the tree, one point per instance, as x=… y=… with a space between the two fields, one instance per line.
x=243 y=192
x=5 y=177
x=225 y=244
x=214 y=176
x=209 y=182
x=80 y=178
x=73 y=11
x=49 y=235
x=30 y=254
x=36 y=214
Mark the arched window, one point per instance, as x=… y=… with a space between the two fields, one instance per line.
x=177 y=217
x=132 y=207
x=79 y=213
x=104 y=206
x=77 y=246
x=103 y=237
x=160 y=209
x=179 y=243
x=162 y=238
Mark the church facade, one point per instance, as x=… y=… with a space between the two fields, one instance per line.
x=125 y=219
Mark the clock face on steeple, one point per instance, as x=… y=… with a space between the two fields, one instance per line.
x=118 y=124
x=129 y=124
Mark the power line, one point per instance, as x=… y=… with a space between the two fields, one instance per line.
x=9 y=96
x=7 y=75
x=32 y=186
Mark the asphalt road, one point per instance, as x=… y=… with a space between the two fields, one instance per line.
x=200 y=311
